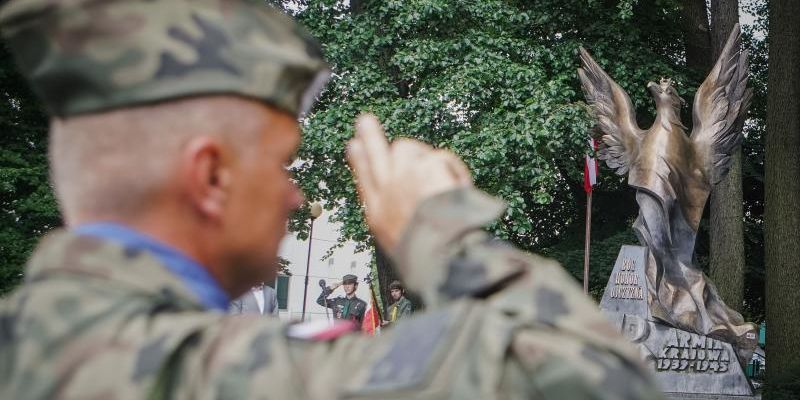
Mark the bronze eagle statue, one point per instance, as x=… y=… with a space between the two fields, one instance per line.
x=673 y=175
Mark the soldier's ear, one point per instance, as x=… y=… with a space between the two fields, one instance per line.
x=205 y=166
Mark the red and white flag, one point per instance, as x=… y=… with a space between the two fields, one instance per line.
x=372 y=320
x=590 y=169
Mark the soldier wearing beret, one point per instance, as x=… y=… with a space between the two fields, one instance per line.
x=401 y=307
x=171 y=124
x=347 y=307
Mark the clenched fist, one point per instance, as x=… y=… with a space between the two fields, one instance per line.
x=393 y=179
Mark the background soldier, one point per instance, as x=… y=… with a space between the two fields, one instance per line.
x=172 y=123
x=349 y=307
x=401 y=307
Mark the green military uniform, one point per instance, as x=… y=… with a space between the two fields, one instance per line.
x=400 y=309
x=96 y=320
x=344 y=308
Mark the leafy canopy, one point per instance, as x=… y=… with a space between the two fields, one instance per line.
x=27 y=206
x=494 y=81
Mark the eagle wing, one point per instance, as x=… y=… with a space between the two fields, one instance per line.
x=613 y=111
x=720 y=108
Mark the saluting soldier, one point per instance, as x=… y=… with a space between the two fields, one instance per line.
x=401 y=307
x=171 y=125
x=347 y=307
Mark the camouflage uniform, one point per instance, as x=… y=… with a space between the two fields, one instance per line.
x=97 y=320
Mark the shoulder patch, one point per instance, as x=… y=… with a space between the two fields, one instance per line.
x=320 y=330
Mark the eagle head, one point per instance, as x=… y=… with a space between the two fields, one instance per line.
x=665 y=94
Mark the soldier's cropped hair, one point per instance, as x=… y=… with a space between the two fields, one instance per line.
x=114 y=163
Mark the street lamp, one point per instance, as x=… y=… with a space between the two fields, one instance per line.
x=316 y=211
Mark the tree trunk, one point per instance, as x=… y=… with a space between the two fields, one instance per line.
x=703 y=45
x=696 y=35
x=386 y=274
x=356 y=6
x=726 y=228
x=782 y=197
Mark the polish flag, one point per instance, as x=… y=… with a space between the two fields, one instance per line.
x=372 y=320
x=590 y=169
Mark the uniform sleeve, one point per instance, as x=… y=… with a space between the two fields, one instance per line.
x=324 y=295
x=361 y=310
x=529 y=300
x=406 y=310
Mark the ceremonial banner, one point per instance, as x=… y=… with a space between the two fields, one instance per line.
x=590 y=169
x=372 y=320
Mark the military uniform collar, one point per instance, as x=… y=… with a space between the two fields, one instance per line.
x=401 y=300
x=193 y=275
x=64 y=253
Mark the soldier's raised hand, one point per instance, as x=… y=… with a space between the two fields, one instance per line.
x=393 y=179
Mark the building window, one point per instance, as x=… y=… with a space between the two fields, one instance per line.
x=330 y=262
x=352 y=265
x=282 y=291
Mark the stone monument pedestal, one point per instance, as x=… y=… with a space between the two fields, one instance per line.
x=684 y=363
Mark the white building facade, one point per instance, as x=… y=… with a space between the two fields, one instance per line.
x=344 y=260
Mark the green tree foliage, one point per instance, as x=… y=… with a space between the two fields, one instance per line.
x=27 y=207
x=495 y=82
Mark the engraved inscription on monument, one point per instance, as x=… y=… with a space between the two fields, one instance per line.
x=689 y=352
x=626 y=282
x=684 y=362
x=627 y=288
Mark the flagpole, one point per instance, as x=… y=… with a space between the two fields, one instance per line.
x=315 y=212
x=586 y=245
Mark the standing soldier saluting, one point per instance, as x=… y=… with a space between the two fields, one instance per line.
x=172 y=122
x=349 y=307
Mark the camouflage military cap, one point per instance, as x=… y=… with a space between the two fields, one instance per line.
x=349 y=278
x=84 y=56
x=395 y=285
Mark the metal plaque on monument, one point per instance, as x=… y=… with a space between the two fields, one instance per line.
x=658 y=297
